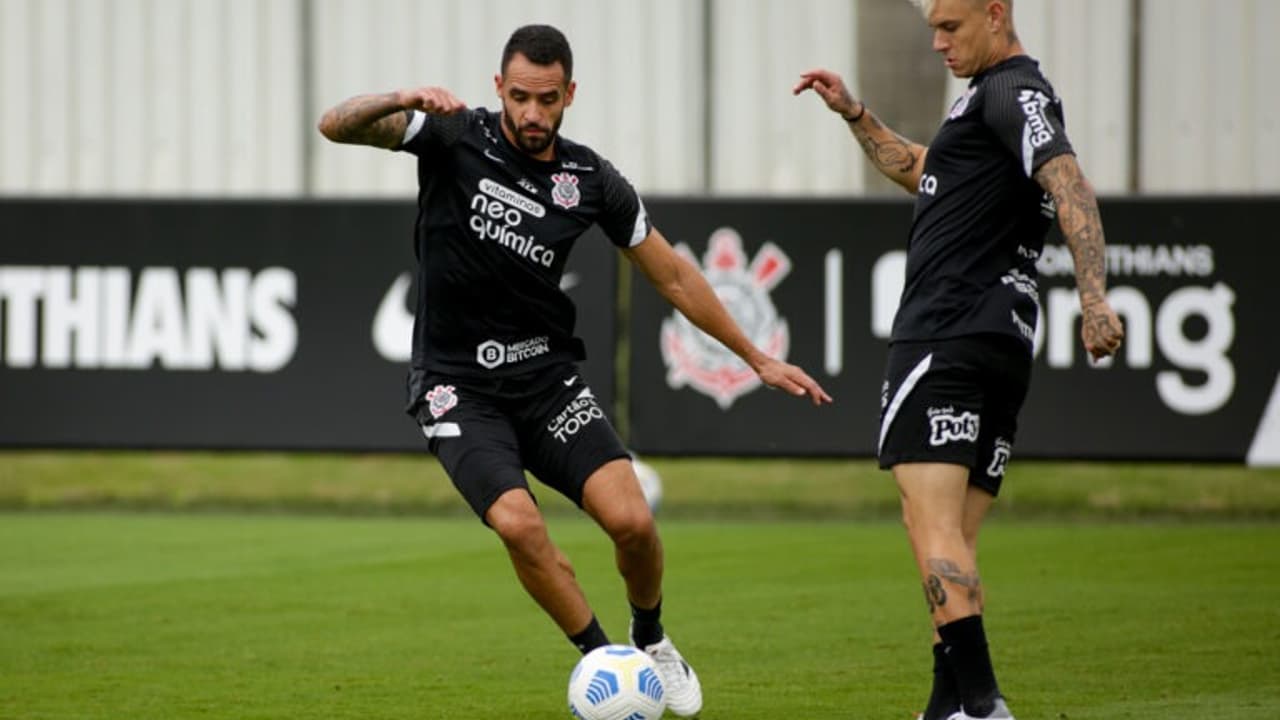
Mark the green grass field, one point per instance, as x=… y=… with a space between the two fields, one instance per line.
x=173 y=616
x=378 y=484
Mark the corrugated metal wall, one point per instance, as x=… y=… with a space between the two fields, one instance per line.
x=216 y=97
x=637 y=64
x=764 y=140
x=1210 y=106
x=150 y=97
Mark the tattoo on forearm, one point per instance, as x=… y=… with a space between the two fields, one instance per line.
x=368 y=120
x=952 y=573
x=1081 y=224
x=891 y=153
x=1082 y=227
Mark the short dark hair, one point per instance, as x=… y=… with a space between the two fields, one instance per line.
x=543 y=45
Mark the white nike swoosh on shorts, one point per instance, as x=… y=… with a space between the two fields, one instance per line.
x=442 y=430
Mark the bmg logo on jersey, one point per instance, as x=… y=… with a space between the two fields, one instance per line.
x=498 y=211
x=1038 y=132
x=579 y=413
x=945 y=426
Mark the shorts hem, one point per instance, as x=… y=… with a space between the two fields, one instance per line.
x=581 y=483
x=888 y=461
x=492 y=497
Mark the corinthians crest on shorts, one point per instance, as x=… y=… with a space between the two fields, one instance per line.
x=565 y=192
x=694 y=358
x=441 y=399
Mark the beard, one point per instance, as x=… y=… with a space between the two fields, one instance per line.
x=532 y=144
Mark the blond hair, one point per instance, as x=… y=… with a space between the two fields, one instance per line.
x=926 y=6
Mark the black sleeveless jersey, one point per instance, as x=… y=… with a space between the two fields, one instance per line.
x=980 y=219
x=494 y=230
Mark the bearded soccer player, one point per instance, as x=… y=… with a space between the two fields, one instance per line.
x=493 y=381
x=999 y=170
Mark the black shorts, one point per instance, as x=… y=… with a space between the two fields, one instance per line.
x=954 y=401
x=486 y=433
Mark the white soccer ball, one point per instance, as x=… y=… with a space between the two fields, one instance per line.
x=650 y=482
x=616 y=682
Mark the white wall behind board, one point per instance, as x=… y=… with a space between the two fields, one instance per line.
x=220 y=97
x=154 y=97
x=1210 y=109
x=639 y=100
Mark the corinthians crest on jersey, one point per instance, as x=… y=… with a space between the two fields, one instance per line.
x=695 y=359
x=564 y=191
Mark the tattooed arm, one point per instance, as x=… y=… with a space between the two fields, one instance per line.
x=380 y=120
x=1082 y=227
x=899 y=159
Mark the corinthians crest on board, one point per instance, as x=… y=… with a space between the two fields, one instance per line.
x=694 y=358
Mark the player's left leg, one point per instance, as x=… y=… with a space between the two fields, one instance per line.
x=569 y=444
x=613 y=498
x=1005 y=387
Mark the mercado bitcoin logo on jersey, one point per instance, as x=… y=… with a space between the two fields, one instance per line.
x=694 y=358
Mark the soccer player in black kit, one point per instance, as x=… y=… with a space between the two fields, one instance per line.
x=493 y=381
x=995 y=175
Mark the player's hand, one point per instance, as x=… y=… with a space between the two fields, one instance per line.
x=1100 y=328
x=793 y=380
x=830 y=87
x=433 y=100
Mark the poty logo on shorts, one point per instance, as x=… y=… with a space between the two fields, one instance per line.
x=694 y=358
x=565 y=191
x=946 y=427
x=441 y=399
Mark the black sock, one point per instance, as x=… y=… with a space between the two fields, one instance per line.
x=945 y=698
x=646 y=625
x=965 y=644
x=590 y=638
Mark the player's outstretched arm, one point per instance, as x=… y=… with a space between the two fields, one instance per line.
x=677 y=280
x=380 y=120
x=1081 y=225
x=896 y=157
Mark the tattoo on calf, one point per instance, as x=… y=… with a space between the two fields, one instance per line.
x=952 y=573
x=934 y=594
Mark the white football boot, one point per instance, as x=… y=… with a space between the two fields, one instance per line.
x=679 y=681
x=1000 y=712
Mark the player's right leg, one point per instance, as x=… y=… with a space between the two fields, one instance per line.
x=476 y=444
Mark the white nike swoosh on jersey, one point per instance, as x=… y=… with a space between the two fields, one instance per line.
x=571 y=381
x=489 y=154
x=393 y=323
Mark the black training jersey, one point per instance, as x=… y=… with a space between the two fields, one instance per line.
x=494 y=230
x=980 y=219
